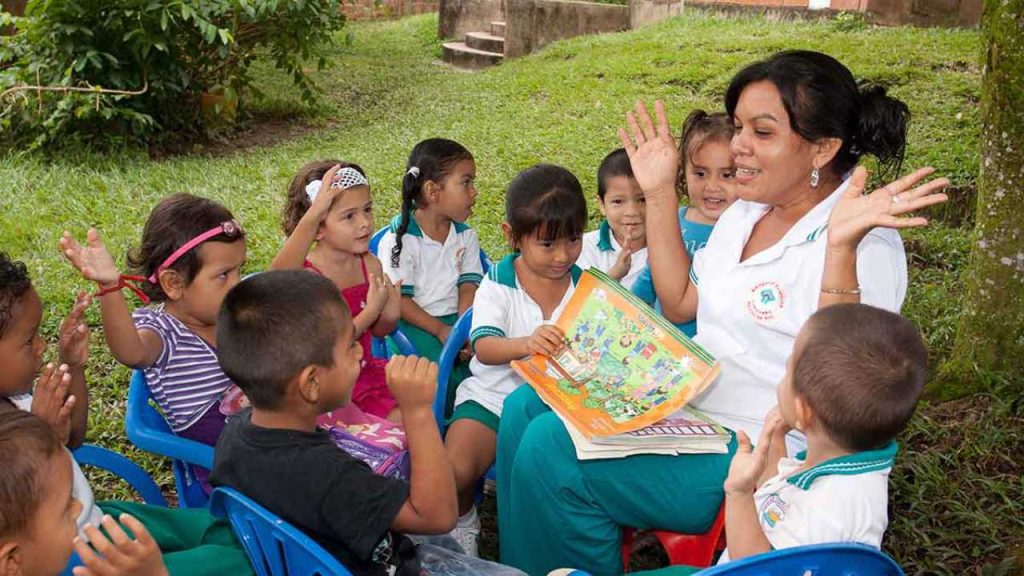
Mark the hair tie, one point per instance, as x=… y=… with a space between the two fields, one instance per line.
x=347 y=177
x=414 y=170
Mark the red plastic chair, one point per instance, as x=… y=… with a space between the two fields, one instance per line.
x=686 y=549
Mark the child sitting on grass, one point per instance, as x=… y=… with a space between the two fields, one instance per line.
x=619 y=246
x=851 y=386
x=328 y=218
x=286 y=337
x=708 y=179
x=191 y=254
x=193 y=542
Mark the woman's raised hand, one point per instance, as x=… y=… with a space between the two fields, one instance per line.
x=653 y=153
x=857 y=213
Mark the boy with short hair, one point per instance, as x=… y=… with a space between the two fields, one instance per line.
x=619 y=246
x=286 y=338
x=851 y=385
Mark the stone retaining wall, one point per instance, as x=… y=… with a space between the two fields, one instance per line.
x=531 y=24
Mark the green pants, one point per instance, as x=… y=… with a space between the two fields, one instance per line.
x=430 y=347
x=193 y=542
x=556 y=511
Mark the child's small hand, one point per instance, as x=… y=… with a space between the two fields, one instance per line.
x=749 y=463
x=623 y=263
x=50 y=400
x=376 y=294
x=412 y=380
x=92 y=260
x=775 y=422
x=443 y=333
x=119 y=555
x=466 y=353
x=547 y=340
x=321 y=205
x=73 y=341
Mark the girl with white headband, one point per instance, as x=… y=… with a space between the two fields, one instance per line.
x=328 y=217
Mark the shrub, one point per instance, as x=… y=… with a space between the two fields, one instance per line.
x=174 y=50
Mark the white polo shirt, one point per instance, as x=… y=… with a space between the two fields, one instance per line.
x=601 y=250
x=749 y=312
x=431 y=272
x=842 y=500
x=503 y=309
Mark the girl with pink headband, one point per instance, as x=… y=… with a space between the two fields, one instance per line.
x=191 y=254
x=328 y=217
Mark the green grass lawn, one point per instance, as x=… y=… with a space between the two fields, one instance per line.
x=957 y=490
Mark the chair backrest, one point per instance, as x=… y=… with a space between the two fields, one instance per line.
x=130 y=472
x=814 y=560
x=147 y=429
x=275 y=548
x=446 y=362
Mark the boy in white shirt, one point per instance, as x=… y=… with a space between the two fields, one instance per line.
x=851 y=385
x=619 y=246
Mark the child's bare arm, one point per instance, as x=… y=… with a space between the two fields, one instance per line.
x=467 y=292
x=132 y=347
x=387 y=321
x=547 y=339
x=432 y=507
x=74 y=351
x=418 y=317
x=777 y=446
x=119 y=554
x=296 y=246
x=742 y=530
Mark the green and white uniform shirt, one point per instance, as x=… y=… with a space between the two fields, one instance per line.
x=842 y=500
x=503 y=309
x=431 y=272
x=601 y=250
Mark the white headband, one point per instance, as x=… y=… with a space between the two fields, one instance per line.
x=347 y=177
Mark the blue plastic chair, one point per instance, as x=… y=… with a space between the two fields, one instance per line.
x=275 y=548
x=130 y=472
x=148 y=430
x=446 y=363
x=814 y=560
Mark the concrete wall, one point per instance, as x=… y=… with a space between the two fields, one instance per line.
x=643 y=12
x=457 y=17
x=965 y=13
x=531 y=24
x=380 y=9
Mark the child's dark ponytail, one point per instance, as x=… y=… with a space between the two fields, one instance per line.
x=881 y=131
x=430 y=161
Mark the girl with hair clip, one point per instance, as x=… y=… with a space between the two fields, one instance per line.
x=328 y=218
x=803 y=235
x=430 y=249
x=545 y=215
x=191 y=254
x=707 y=178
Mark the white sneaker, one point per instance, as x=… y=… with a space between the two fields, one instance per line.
x=467 y=532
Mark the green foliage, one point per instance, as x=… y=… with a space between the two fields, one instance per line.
x=174 y=49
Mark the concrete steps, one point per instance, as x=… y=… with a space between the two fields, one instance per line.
x=480 y=49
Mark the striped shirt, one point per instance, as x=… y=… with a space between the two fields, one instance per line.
x=186 y=380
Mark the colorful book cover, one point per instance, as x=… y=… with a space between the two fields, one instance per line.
x=624 y=366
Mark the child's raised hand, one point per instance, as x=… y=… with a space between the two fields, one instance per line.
x=119 y=555
x=50 y=400
x=73 y=341
x=547 y=340
x=377 y=293
x=321 y=205
x=412 y=380
x=623 y=263
x=652 y=152
x=749 y=463
x=93 y=260
x=856 y=213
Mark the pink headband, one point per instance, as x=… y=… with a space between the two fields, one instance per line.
x=229 y=228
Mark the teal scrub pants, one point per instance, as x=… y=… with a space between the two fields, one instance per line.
x=555 y=511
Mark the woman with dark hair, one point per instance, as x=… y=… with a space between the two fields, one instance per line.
x=803 y=235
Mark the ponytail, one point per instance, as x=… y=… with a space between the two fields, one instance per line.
x=881 y=130
x=410 y=189
x=429 y=161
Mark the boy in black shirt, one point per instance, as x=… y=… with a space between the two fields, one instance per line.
x=286 y=338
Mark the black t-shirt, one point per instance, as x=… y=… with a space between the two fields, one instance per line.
x=318 y=488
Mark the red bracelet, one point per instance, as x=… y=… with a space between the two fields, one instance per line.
x=123 y=282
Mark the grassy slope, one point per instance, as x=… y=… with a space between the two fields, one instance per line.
x=383 y=92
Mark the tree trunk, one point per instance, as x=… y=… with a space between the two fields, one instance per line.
x=990 y=340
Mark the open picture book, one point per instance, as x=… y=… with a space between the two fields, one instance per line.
x=624 y=376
